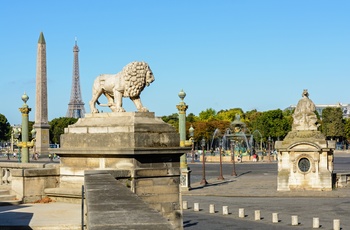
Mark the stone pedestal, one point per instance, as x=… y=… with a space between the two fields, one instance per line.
x=138 y=142
x=305 y=161
x=185 y=179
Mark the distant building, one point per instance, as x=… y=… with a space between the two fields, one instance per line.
x=319 y=108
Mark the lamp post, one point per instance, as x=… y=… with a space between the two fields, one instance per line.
x=269 y=151
x=191 y=131
x=24 y=144
x=220 y=148
x=204 y=181
x=233 y=159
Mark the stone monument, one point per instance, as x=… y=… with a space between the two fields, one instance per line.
x=137 y=142
x=305 y=157
x=41 y=124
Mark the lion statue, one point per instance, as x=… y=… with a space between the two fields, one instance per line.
x=127 y=83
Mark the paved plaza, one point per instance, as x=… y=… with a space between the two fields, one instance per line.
x=254 y=188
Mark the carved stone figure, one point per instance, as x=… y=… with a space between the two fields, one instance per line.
x=304 y=117
x=127 y=83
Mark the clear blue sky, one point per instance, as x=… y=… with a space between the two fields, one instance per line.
x=224 y=54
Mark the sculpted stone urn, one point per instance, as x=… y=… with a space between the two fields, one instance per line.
x=305 y=157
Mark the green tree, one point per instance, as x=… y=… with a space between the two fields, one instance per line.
x=57 y=126
x=207 y=115
x=206 y=129
x=229 y=115
x=273 y=124
x=191 y=118
x=173 y=120
x=332 y=123
x=251 y=119
x=5 y=128
x=347 y=129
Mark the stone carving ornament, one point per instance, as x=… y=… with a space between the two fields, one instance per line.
x=127 y=83
x=304 y=117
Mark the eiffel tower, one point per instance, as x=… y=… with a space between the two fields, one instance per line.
x=76 y=105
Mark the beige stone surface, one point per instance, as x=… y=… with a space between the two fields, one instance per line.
x=305 y=157
x=140 y=143
x=130 y=82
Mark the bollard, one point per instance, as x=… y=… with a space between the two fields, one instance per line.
x=295 y=221
x=315 y=222
x=211 y=208
x=196 y=207
x=257 y=215
x=241 y=213
x=184 y=205
x=336 y=224
x=275 y=217
x=224 y=210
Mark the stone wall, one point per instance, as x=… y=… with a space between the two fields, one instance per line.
x=140 y=143
x=29 y=184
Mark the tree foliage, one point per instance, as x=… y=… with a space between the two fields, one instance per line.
x=273 y=123
x=191 y=118
x=347 y=129
x=332 y=122
x=173 y=120
x=203 y=129
x=207 y=115
x=229 y=115
x=5 y=128
x=57 y=126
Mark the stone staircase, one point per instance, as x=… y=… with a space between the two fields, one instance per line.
x=6 y=198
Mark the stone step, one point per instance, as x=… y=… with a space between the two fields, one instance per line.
x=4 y=192
x=10 y=202
x=7 y=197
x=68 y=195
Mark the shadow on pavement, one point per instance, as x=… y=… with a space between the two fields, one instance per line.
x=212 y=184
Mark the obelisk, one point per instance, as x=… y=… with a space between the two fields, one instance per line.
x=41 y=124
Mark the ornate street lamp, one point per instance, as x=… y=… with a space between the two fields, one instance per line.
x=204 y=181
x=191 y=131
x=220 y=148
x=269 y=141
x=233 y=159
x=24 y=144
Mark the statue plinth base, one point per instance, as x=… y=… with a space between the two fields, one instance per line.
x=305 y=162
x=137 y=142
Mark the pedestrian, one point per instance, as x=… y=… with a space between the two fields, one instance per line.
x=254 y=157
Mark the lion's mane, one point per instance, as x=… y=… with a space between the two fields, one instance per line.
x=135 y=78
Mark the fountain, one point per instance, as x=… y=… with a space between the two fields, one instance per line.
x=239 y=137
x=252 y=139
x=235 y=138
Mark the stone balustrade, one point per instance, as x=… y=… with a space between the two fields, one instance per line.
x=29 y=180
x=7 y=167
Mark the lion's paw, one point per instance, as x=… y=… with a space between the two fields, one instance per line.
x=121 y=109
x=117 y=109
x=144 y=109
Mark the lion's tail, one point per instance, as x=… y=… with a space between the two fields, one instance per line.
x=98 y=102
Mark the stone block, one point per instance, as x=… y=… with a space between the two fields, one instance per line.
x=160 y=198
x=156 y=172
x=151 y=190
x=143 y=145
